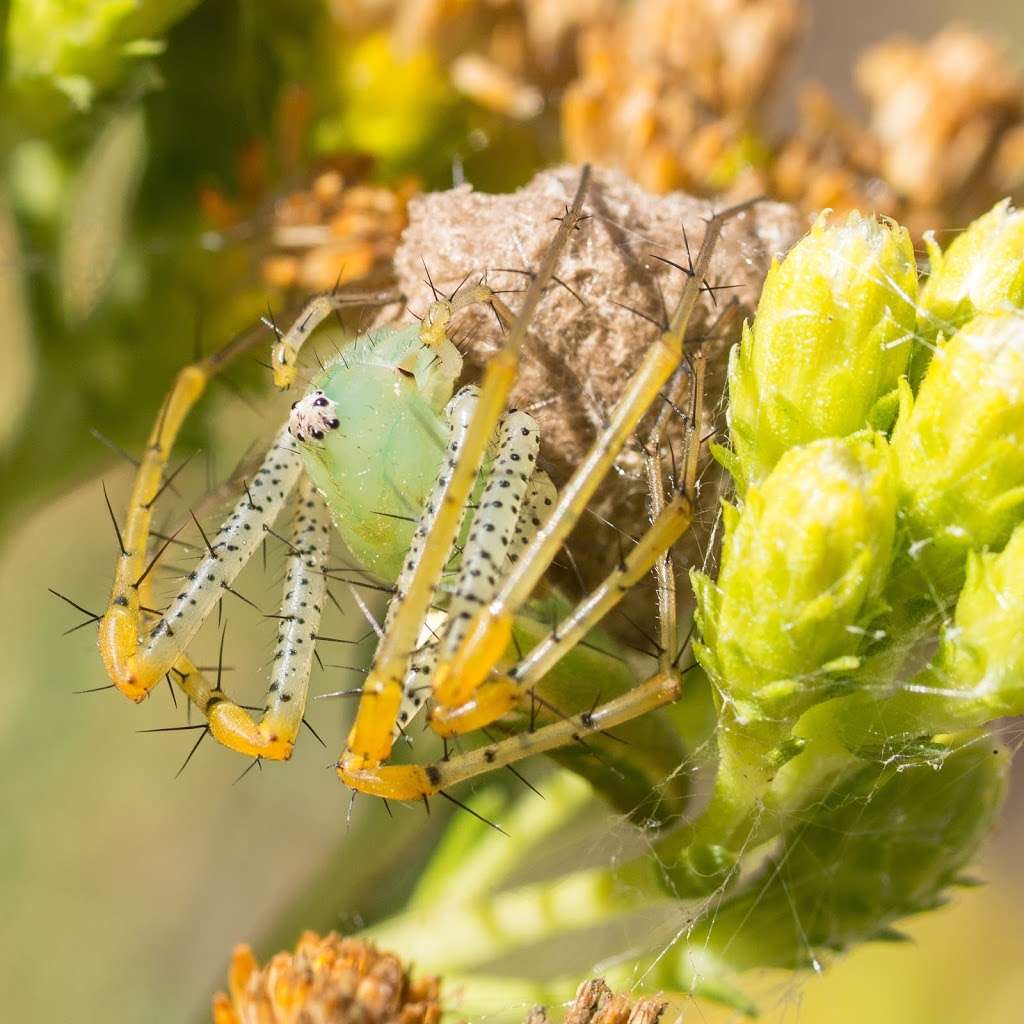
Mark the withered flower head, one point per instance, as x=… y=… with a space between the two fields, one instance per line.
x=335 y=980
x=595 y=1003
x=329 y=980
x=337 y=230
x=944 y=137
x=667 y=91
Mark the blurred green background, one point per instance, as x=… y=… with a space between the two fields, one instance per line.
x=125 y=887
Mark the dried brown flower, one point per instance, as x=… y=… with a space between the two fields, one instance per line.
x=943 y=141
x=336 y=230
x=329 y=980
x=595 y=1003
x=668 y=90
x=335 y=980
x=674 y=93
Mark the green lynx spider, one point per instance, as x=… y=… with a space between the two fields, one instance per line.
x=384 y=411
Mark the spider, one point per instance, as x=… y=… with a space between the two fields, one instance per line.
x=385 y=413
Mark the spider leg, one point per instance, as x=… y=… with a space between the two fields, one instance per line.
x=396 y=670
x=122 y=620
x=479 y=710
x=301 y=607
x=370 y=739
x=460 y=676
x=136 y=663
x=413 y=782
x=485 y=555
x=284 y=356
x=476 y=567
x=664 y=572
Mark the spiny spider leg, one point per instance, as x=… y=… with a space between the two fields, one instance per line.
x=228 y=552
x=671 y=520
x=302 y=605
x=285 y=353
x=496 y=518
x=480 y=570
x=664 y=572
x=301 y=608
x=120 y=630
x=458 y=678
x=119 y=633
x=417 y=781
x=668 y=523
x=370 y=739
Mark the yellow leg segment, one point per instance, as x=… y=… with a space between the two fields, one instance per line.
x=370 y=739
x=273 y=736
x=495 y=698
x=413 y=782
x=119 y=628
x=284 y=356
x=229 y=723
x=457 y=678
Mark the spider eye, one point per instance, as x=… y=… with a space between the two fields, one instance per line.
x=318 y=434
x=334 y=424
x=320 y=402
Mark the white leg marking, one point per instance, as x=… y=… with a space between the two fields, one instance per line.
x=494 y=524
x=301 y=608
x=233 y=546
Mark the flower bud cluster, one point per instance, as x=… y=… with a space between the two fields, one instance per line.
x=802 y=569
x=959 y=446
x=844 y=525
x=879 y=517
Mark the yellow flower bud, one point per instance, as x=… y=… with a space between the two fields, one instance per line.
x=982 y=655
x=802 y=566
x=982 y=271
x=959 y=447
x=832 y=335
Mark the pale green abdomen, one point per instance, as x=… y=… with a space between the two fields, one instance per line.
x=376 y=470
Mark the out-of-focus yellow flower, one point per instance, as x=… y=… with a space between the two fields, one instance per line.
x=391 y=102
